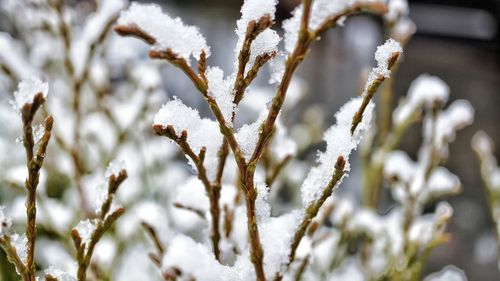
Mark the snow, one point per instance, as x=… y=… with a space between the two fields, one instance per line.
x=421 y=231
x=59 y=215
x=305 y=248
x=192 y=194
x=276 y=236
x=321 y=12
x=384 y=54
x=339 y=142
x=13 y=58
x=99 y=74
x=196 y=260
x=291 y=27
x=253 y=10
x=169 y=33
x=265 y=43
x=262 y=206
x=5 y=222
x=442 y=182
x=154 y=214
x=403 y=29
x=27 y=90
x=444 y=211
x=397 y=9
x=350 y=270
x=95 y=24
x=458 y=115
x=383 y=57
x=201 y=132
x=20 y=242
x=105 y=251
x=59 y=274
x=135 y=264
x=97 y=21
x=282 y=145
x=114 y=168
x=449 y=273
x=146 y=75
x=424 y=91
x=248 y=135
x=85 y=229
x=483 y=143
x=222 y=91
x=398 y=163
x=277 y=69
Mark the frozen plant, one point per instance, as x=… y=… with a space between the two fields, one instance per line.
x=28 y=99
x=225 y=222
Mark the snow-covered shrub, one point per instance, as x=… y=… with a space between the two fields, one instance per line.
x=223 y=218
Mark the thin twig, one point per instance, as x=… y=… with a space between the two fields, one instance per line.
x=105 y=219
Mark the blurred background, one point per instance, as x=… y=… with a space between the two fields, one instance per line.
x=456 y=40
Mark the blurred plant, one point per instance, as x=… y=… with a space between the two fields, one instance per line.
x=228 y=222
x=484 y=147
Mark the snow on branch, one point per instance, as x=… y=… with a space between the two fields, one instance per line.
x=30 y=91
x=150 y=23
x=89 y=232
x=339 y=143
x=326 y=13
x=424 y=91
x=221 y=90
x=386 y=56
x=201 y=134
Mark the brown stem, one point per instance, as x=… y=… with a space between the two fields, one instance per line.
x=34 y=162
x=256 y=251
x=241 y=82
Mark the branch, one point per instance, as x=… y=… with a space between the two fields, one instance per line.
x=242 y=81
x=160 y=248
x=13 y=257
x=306 y=38
x=370 y=90
x=313 y=209
x=212 y=191
x=34 y=162
x=105 y=219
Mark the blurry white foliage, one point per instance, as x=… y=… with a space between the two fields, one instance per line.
x=118 y=101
